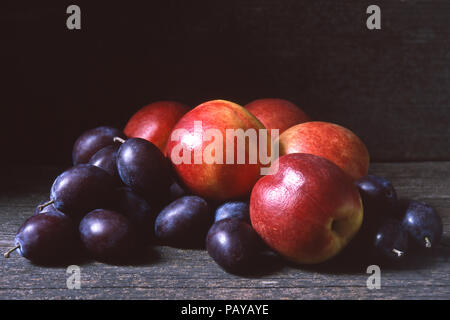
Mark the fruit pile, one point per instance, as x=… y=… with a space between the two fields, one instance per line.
x=126 y=191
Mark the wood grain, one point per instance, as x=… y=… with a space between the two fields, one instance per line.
x=170 y=273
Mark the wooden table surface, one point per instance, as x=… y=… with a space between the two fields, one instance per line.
x=191 y=274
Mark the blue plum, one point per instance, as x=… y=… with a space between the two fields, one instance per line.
x=105 y=159
x=391 y=240
x=46 y=237
x=144 y=169
x=233 y=209
x=81 y=189
x=233 y=244
x=184 y=222
x=92 y=141
x=107 y=235
x=423 y=224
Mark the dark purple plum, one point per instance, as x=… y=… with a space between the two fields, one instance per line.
x=378 y=195
x=107 y=235
x=184 y=222
x=105 y=159
x=46 y=238
x=82 y=189
x=391 y=240
x=143 y=168
x=92 y=141
x=140 y=213
x=423 y=224
x=233 y=209
x=233 y=244
x=380 y=203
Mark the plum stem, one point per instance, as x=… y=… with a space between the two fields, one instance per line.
x=118 y=139
x=7 y=253
x=42 y=206
x=427 y=242
x=398 y=252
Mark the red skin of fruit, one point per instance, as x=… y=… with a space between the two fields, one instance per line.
x=330 y=141
x=277 y=113
x=155 y=121
x=216 y=181
x=307 y=211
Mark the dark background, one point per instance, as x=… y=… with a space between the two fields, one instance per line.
x=390 y=86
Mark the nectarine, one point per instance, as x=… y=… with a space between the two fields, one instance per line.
x=330 y=141
x=308 y=211
x=155 y=121
x=277 y=113
x=190 y=141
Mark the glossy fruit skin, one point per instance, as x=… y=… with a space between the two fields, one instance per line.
x=155 y=121
x=105 y=159
x=330 y=141
x=144 y=169
x=277 y=113
x=233 y=209
x=82 y=189
x=379 y=202
x=389 y=237
x=377 y=194
x=107 y=235
x=92 y=141
x=308 y=211
x=184 y=222
x=212 y=180
x=422 y=221
x=46 y=237
x=140 y=213
x=233 y=244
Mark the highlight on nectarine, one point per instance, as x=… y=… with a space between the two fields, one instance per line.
x=227 y=169
x=308 y=211
x=328 y=140
x=277 y=113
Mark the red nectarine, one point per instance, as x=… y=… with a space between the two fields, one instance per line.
x=190 y=140
x=277 y=113
x=308 y=211
x=155 y=121
x=330 y=141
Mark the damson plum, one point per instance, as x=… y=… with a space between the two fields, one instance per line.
x=92 y=141
x=378 y=195
x=140 y=213
x=184 y=222
x=46 y=238
x=105 y=159
x=391 y=240
x=234 y=209
x=423 y=224
x=379 y=200
x=144 y=169
x=107 y=235
x=233 y=244
x=80 y=190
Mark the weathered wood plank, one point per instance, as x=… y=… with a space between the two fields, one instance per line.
x=171 y=273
